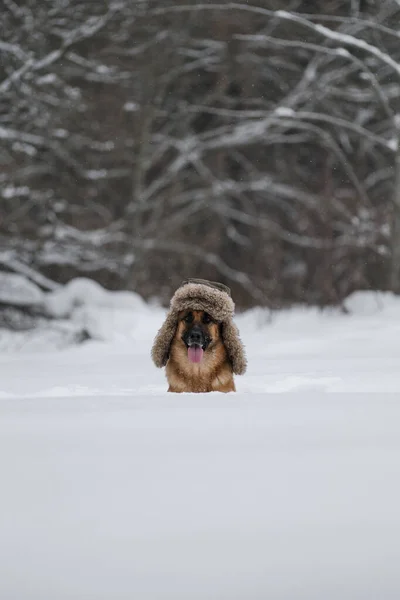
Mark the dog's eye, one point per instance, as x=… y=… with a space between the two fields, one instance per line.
x=206 y=319
x=188 y=318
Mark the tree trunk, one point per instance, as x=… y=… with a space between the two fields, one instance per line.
x=394 y=275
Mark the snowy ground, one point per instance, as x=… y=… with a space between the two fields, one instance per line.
x=112 y=489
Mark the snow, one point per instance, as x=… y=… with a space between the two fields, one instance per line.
x=131 y=106
x=11 y=191
x=284 y=111
x=96 y=174
x=289 y=489
x=342 y=38
x=18 y=290
x=85 y=292
x=82 y=308
x=103 y=314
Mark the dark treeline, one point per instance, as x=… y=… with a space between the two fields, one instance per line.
x=145 y=142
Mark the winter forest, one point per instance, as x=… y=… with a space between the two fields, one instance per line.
x=253 y=143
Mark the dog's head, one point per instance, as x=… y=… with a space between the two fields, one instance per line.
x=198 y=331
x=200 y=316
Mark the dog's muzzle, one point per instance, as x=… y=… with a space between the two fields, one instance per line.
x=196 y=337
x=196 y=341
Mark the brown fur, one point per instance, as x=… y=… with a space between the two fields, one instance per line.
x=213 y=374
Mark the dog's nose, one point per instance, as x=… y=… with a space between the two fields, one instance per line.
x=196 y=337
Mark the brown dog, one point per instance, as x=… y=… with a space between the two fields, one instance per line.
x=199 y=343
x=198 y=360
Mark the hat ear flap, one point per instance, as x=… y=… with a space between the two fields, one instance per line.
x=163 y=341
x=234 y=346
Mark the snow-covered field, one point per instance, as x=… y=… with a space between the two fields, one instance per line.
x=113 y=489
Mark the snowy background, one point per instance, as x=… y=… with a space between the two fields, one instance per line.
x=145 y=142
x=150 y=141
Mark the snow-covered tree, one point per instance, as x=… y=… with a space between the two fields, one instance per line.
x=143 y=142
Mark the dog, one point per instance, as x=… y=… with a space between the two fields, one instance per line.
x=198 y=360
x=199 y=343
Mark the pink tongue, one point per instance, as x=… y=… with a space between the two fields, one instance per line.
x=195 y=354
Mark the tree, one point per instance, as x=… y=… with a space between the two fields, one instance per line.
x=146 y=142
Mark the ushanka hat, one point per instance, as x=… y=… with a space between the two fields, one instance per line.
x=215 y=299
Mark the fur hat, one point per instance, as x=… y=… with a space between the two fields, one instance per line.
x=215 y=299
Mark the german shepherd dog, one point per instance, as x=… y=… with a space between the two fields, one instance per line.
x=198 y=360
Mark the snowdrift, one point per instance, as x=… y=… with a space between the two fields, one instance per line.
x=113 y=488
x=79 y=311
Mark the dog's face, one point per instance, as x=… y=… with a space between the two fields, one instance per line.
x=198 y=332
